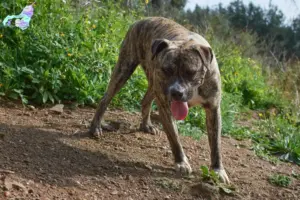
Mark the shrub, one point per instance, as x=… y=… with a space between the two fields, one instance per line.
x=67 y=53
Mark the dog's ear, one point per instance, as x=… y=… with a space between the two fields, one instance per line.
x=158 y=45
x=205 y=53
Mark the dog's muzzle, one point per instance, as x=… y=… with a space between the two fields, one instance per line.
x=178 y=92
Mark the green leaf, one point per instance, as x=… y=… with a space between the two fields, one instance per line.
x=45 y=96
x=215 y=177
x=51 y=97
x=27 y=70
x=205 y=171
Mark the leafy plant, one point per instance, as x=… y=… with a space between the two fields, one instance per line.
x=49 y=61
x=212 y=177
x=278 y=137
x=280 y=180
x=209 y=175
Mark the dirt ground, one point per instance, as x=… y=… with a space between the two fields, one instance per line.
x=45 y=155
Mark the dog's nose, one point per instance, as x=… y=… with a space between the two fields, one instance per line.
x=177 y=94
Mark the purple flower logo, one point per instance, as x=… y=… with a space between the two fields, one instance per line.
x=28 y=10
x=22 y=24
x=22 y=20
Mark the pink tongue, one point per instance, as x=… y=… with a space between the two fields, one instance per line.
x=179 y=109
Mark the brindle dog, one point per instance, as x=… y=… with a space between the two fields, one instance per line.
x=180 y=66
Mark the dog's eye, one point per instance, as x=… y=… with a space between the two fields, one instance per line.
x=190 y=73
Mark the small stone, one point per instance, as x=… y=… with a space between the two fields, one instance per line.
x=7 y=184
x=29 y=182
x=58 y=108
x=6 y=193
x=31 y=107
x=115 y=192
x=273 y=167
x=145 y=188
x=148 y=167
x=18 y=186
x=77 y=182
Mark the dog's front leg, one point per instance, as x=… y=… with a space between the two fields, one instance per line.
x=181 y=162
x=214 y=124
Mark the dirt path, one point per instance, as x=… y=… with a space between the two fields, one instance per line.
x=51 y=159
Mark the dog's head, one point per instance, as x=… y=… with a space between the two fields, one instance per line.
x=181 y=66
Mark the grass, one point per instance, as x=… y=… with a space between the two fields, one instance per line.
x=279 y=137
x=280 y=180
x=68 y=53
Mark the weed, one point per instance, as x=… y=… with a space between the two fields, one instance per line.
x=262 y=153
x=280 y=180
x=278 y=137
x=211 y=177
x=168 y=184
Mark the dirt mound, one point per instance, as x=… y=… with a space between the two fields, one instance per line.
x=45 y=155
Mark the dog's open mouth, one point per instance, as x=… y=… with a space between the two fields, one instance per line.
x=179 y=109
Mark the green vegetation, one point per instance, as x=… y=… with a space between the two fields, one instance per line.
x=280 y=180
x=211 y=177
x=68 y=53
x=170 y=184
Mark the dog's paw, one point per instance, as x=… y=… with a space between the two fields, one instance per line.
x=222 y=175
x=183 y=167
x=149 y=129
x=95 y=132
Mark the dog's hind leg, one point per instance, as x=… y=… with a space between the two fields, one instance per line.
x=121 y=73
x=146 y=124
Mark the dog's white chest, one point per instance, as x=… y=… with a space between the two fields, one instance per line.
x=196 y=98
